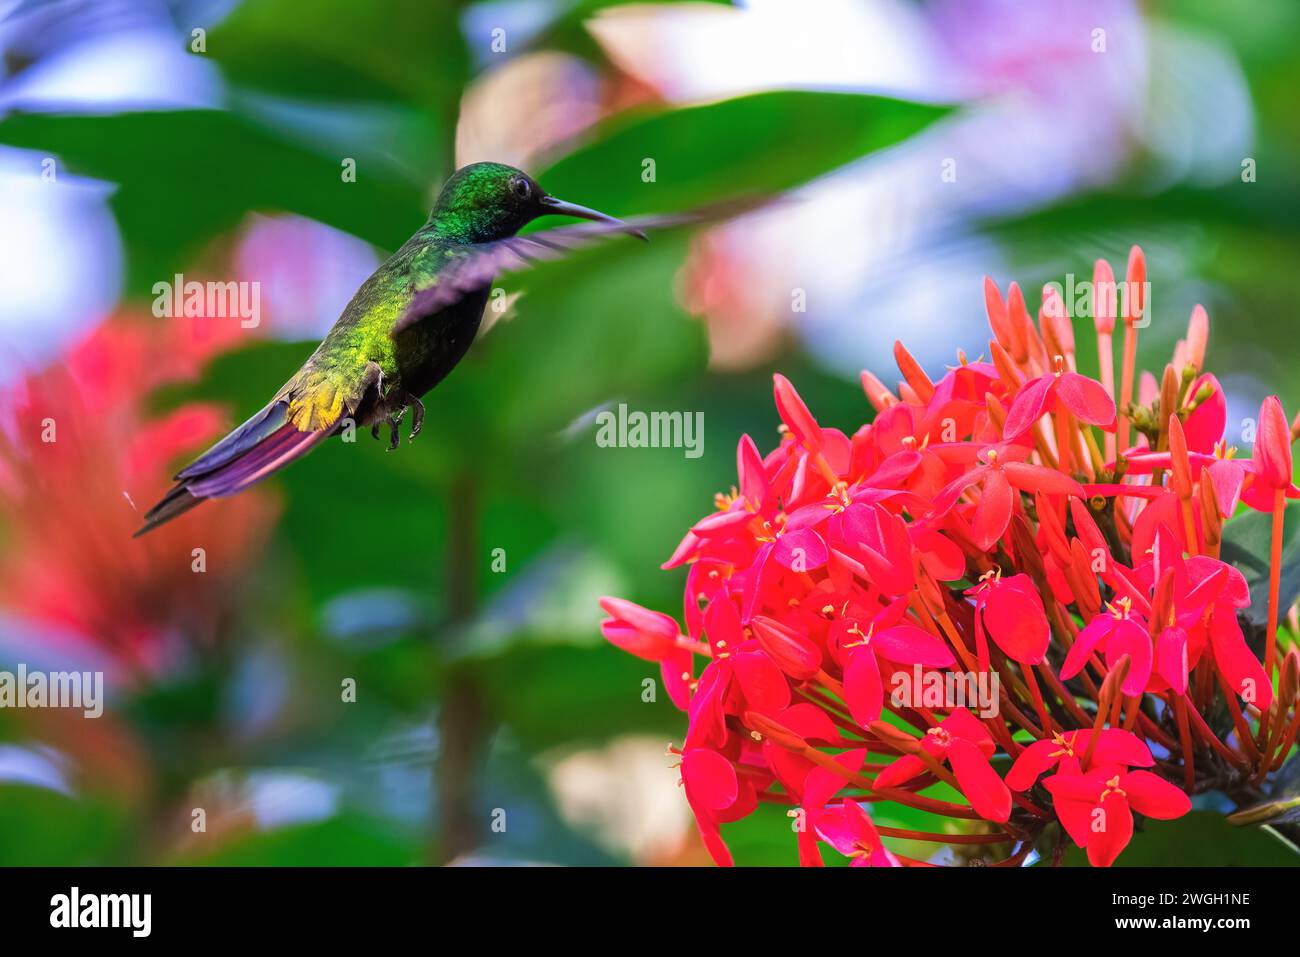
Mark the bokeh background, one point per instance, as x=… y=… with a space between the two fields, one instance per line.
x=922 y=145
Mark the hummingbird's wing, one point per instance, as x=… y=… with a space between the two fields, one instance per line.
x=475 y=267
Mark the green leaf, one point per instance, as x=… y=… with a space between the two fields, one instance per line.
x=1198 y=839
x=1247 y=544
x=560 y=695
x=339 y=50
x=39 y=827
x=203 y=172
x=760 y=144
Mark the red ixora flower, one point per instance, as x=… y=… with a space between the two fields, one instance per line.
x=997 y=604
x=1097 y=808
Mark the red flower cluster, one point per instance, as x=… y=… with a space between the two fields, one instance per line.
x=988 y=593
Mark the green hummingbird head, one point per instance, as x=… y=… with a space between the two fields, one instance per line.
x=483 y=202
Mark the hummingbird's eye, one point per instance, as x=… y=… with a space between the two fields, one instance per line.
x=521 y=187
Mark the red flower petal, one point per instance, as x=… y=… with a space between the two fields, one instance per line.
x=986 y=791
x=1036 y=478
x=993 y=513
x=1086 y=399
x=1153 y=796
x=911 y=645
x=1016 y=620
x=1240 y=668
x=676 y=671
x=761 y=682
x=796 y=655
x=750 y=472
x=1204 y=426
x=822 y=784
x=1093 y=634
x=801 y=550
x=710 y=779
x=1112 y=829
x=1028 y=407
x=863 y=692
x=900 y=771
x=1117 y=746
x=1031 y=764
x=1130 y=638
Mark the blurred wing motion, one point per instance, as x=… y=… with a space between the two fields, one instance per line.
x=479 y=263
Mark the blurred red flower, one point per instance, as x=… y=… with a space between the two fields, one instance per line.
x=79 y=448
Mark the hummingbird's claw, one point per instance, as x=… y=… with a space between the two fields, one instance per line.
x=393 y=438
x=417 y=418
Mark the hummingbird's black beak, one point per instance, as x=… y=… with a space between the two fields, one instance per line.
x=559 y=207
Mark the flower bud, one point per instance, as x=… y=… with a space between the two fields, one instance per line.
x=1135 y=286
x=877 y=393
x=794 y=413
x=913 y=373
x=997 y=311
x=1105 y=305
x=1180 y=464
x=1273 y=444
x=1198 y=336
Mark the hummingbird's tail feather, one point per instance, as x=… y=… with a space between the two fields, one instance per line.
x=260 y=426
x=233 y=467
x=177 y=501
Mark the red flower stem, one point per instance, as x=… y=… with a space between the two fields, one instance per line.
x=825 y=469
x=997 y=728
x=937 y=769
x=698 y=647
x=1102 y=707
x=1212 y=739
x=1018 y=858
x=832 y=708
x=1063 y=444
x=1117 y=699
x=920 y=803
x=1106 y=360
x=1045 y=454
x=1044 y=720
x=1244 y=737
x=1189 y=528
x=1185 y=735
x=1274 y=582
x=934 y=805
x=1288 y=739
x=1204 y=683
x=1134 y=709
x=1063 y=695
x=1090 y=456
x=1126 y=383
x=1030 y=806
x=932 y=838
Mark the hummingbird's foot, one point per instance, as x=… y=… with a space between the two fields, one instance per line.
x=417 y=417
x=393 y=436
x=374 y=430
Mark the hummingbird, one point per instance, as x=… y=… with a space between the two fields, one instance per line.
x=404 y=330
